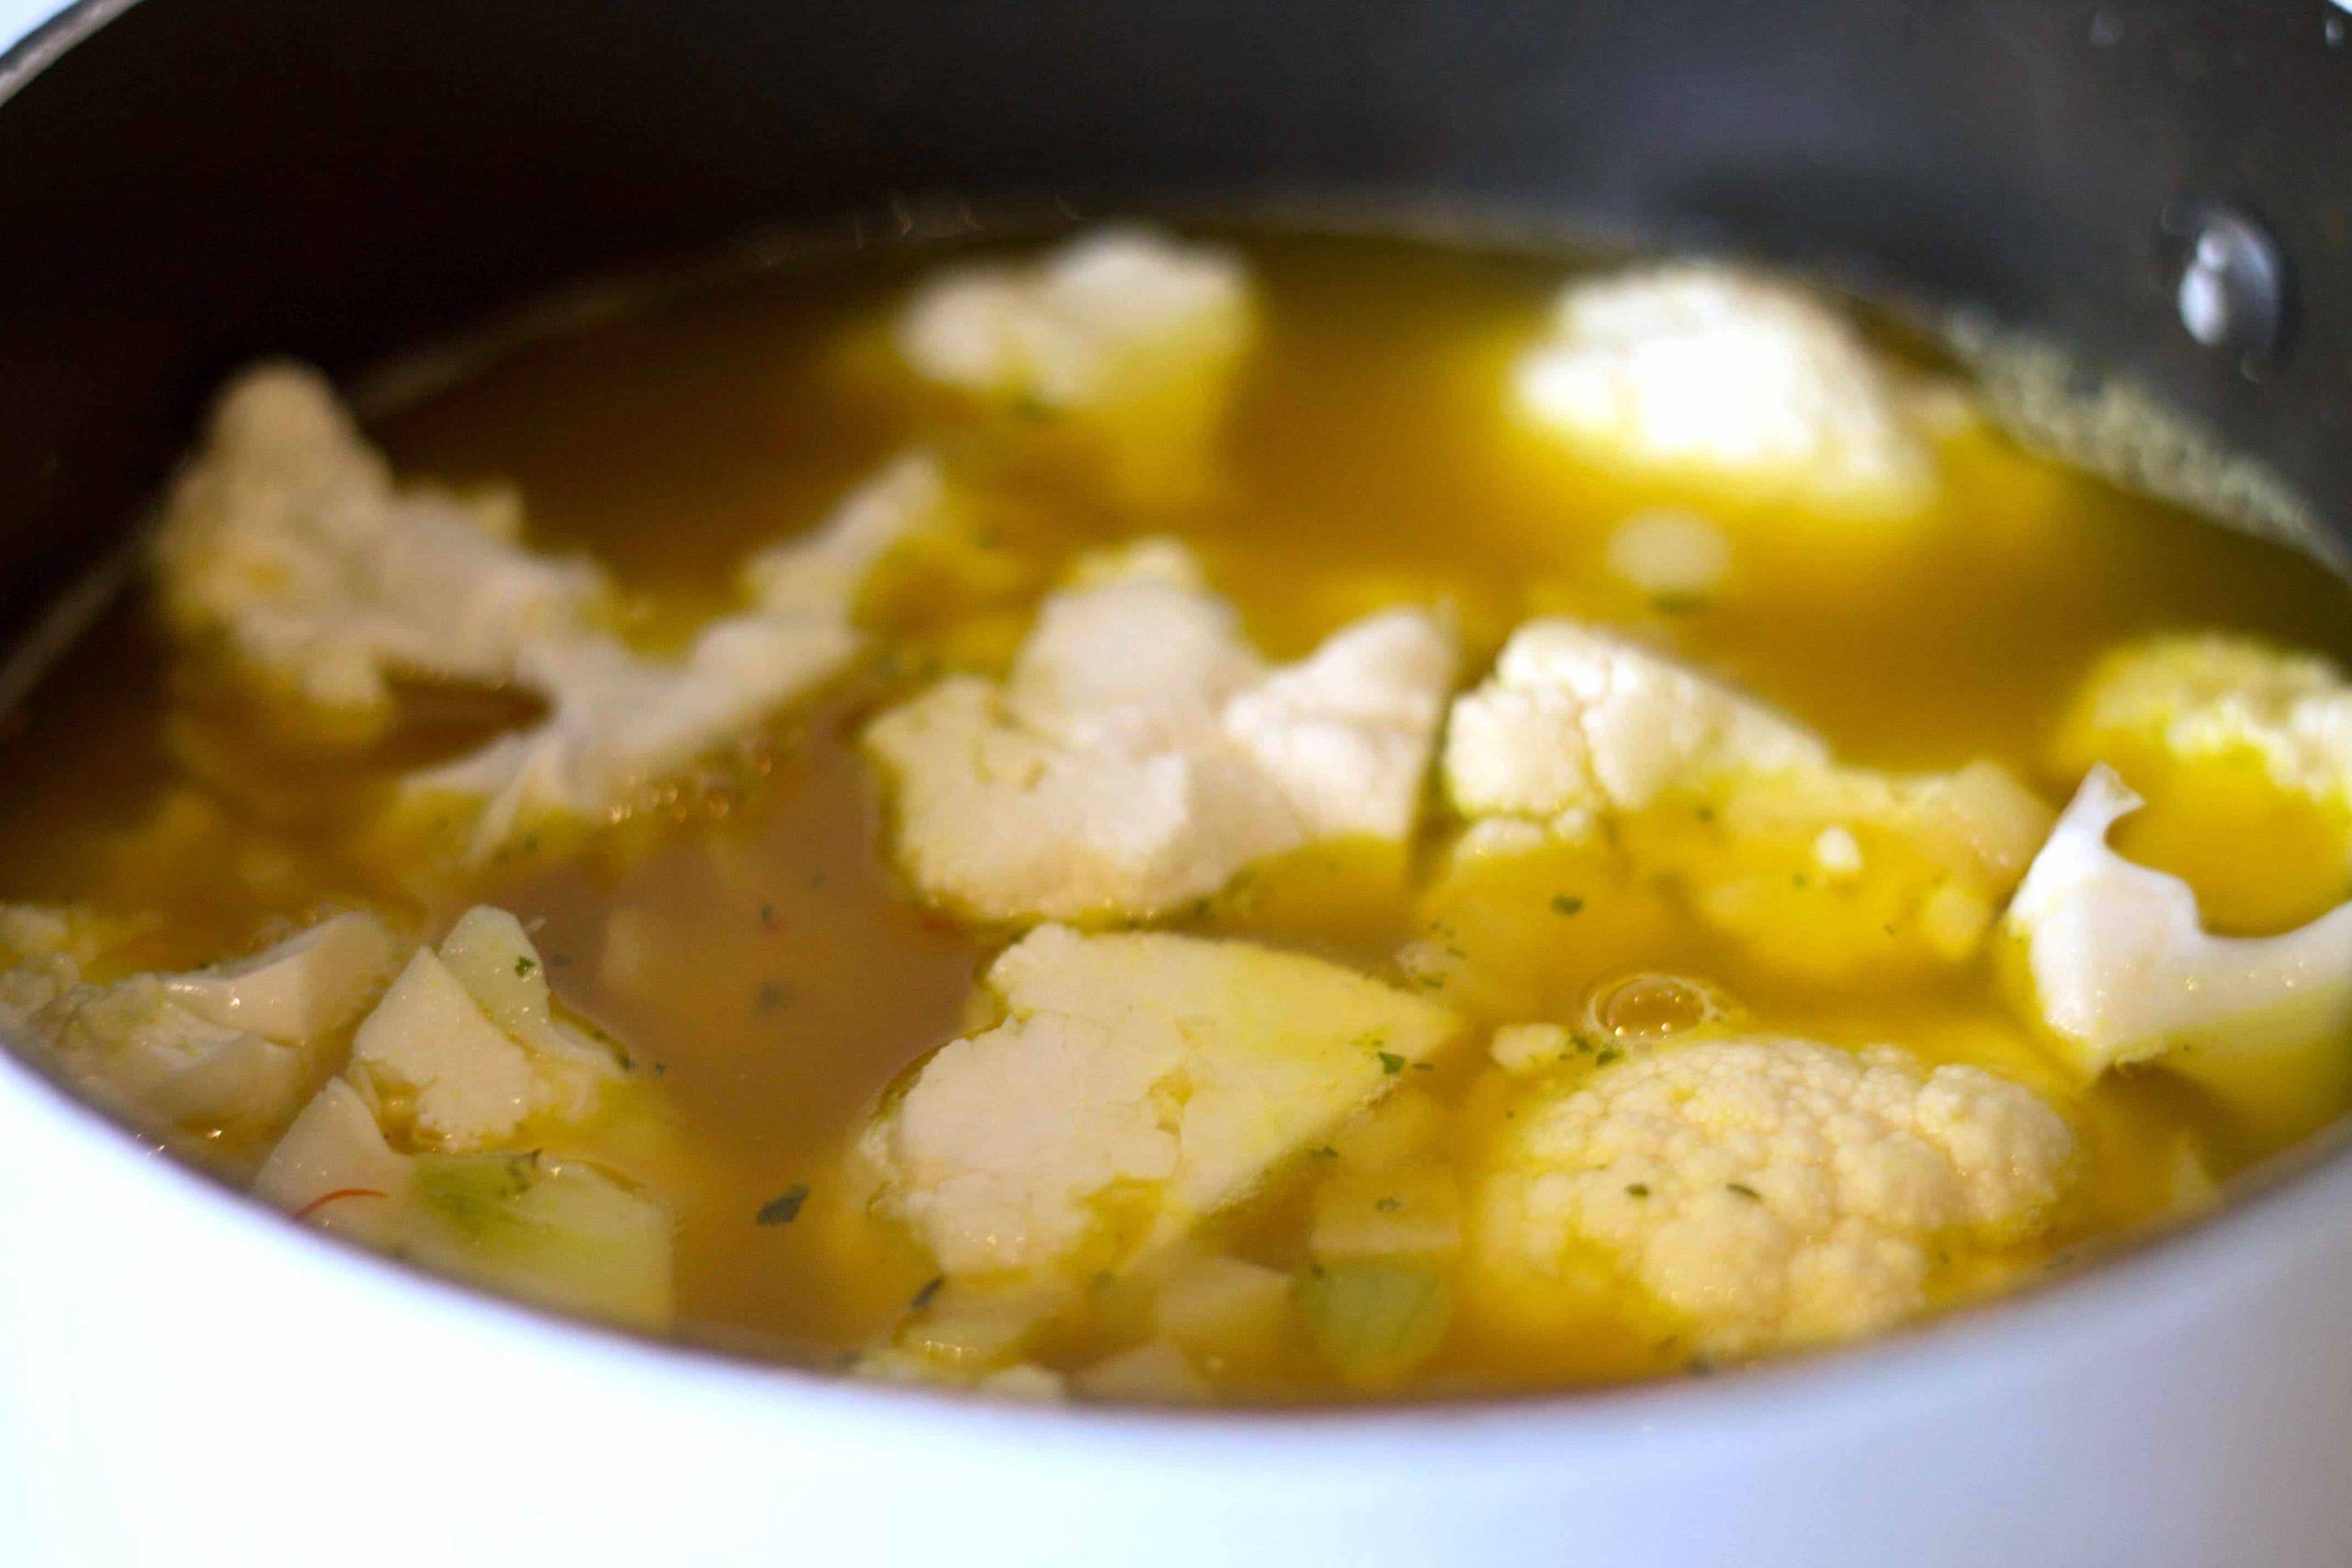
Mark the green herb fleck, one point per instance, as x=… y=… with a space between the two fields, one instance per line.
x=1608 y=1054
x=1636 y=1189
x=523 y=964
x=659 y=1068
x=1388 y=1205
x=1744 y=1191
x=558 y=961
x=1706 y=814
x=1677 y=603
x=785 y=1208
x=1391 y=1062
x=767 y=917
x=1567 y=903
x=1324 y=1151
x=922 y=1300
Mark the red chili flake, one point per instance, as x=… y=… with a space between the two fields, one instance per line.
x=323 y=1199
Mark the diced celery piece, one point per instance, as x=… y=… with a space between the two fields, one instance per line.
x=561 y=1234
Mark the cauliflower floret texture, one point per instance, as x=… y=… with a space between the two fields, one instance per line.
x=232 y=1048
x=1821 y=867
x=1141 y=753
x=2243 y=753
x=288 y=540
x=1136 y=1083
x=621 y=720
x=1684 y=369
x=463 y=1050
x=1131 y=335
x=461 y=1060
x=1575 y=725
x=2115 y=962
x=1771 y=1192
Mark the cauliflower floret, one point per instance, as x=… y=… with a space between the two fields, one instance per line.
x=2214 y=697
x=1575 y=725
x=1822 y=867
x=66 y=931
x=288 y=539
x=227 y=1049
x=2244 y=751
x=1769 y=1192
x=463 y=1050
x=461 y=1057
x=1693 y=369
x=822 y=575
x=1138 y=1083
x=2116 y=963
x=1141 y=753
x=621 y=721
x=1135 y=334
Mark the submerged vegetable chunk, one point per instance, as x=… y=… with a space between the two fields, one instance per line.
x=1769 y=1193
x=288 y=540
x=1695 y=369
x=1141 y=753
x=1132 y=333
x=462 y=1051
x=1136 y=1084
x=1820 y=867
x=231 y=1048
x=1577 y=723
x=622 y=720
x=461 y=1059
x=2244 y=751
x=2115 y=962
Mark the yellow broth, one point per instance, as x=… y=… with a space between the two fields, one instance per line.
x=769 y=974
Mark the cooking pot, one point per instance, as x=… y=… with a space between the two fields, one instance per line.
x=2162 y=189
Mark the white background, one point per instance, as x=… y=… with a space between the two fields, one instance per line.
x=18 y=17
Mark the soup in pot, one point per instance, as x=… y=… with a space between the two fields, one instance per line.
x=1255 y=820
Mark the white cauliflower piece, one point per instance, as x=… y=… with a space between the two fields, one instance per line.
x=463 y=1050
x=1695 y=369
x=1771 y=1192
x=2242 y=752
x=288 y=539
x=2214 y=699
x=1822 y=868
x=1141 y=753
x=335 y=1167
x=1575 y=725
x=1138 y=1083
x=232 y=1048
x=2117 y=966
x=1133 y=335
x=622 y=721
x=1090 y=323
x=822 y=575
